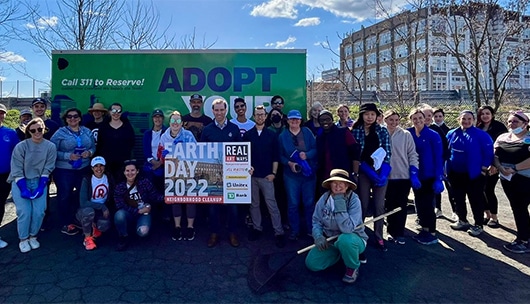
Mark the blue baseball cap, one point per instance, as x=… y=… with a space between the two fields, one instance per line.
x=294 y=114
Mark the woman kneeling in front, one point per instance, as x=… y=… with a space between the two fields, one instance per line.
x=338 y=212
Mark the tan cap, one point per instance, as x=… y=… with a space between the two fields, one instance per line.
x=3 y=108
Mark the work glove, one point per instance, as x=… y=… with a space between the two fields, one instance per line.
x=383 y=174
x=370 y=172
x=438 y=186
x=415 y=181
x=165 y=153
x=23 y=186
x=43 y=182
x=340 y=203
x=321 y=243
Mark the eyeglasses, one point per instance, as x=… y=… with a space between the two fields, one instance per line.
x=175 y=121
x=277 y=102
x=260 y=114
x=33 y=131
x=239 y=106
x=115 y=111
x=75 y=116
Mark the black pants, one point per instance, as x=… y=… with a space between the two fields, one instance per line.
x=518 y=192
x=5 y=188
x=491 y=203
x=424 y=200
x=397 y=195
x=474 y=189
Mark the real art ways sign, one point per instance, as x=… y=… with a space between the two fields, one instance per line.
x=207 y=173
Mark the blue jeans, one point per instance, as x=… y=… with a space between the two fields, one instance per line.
x=123 y=218
x=30 y=213
x=215 y=217
x=68 y=183
x=300 y=187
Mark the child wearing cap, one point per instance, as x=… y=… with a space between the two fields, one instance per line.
x=93 y=214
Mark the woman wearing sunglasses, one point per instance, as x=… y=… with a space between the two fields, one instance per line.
x=115 y=141
x=32 y=163
x=75 y=145
x=174 y=135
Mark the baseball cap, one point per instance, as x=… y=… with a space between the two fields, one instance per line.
x=3 y=108
x=195 y=96
x=25 y=112
x=294 y=114
x=157 y=112
x=98 y=160
x=39 y=100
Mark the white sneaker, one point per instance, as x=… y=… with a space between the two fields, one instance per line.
x=3 y=244
x=438 y=213
x=24 y=246
x=33 y=243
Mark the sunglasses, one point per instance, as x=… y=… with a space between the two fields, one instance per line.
x=129 y=162
x=277 y=103
x=240 y=106
x=175 y=121
x=115 y=111
x=75 y=116
x=33 y=131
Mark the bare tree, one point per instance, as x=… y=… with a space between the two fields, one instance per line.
x=9 y=13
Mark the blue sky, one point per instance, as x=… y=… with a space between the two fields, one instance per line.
x=233 y=24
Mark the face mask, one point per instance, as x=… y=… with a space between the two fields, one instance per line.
x=517 y=130
x=276 y=118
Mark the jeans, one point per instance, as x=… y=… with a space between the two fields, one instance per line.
x=348 y=247
x=30 y=213
x=474 y=189
x=5 y=188
x=378 y=194
x=267 y=188
x=68 y=183
x=518 y=193
x=300 y=187
x=424 y=201
x=215 y=217
x=123 y=218
x=397 y=193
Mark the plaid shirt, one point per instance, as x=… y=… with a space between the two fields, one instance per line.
x=384 y=139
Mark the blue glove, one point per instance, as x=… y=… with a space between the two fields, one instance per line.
x=23 y=186
x=43 y=182
x=165 y=153
x=383 y=174
x=321 y=243
x=340 y=203
x=416 y=184
x=438 y=186
x=369 y=171
x=306 y=169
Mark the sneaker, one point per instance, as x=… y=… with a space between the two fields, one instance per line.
x=400 y=240
x=460 y=225
x=280 y=241
x=95 y=231
x=24 y=246
x=33 y=243
x=351 y=275
x=381 y=245
x=176 y=234
x=475 y=230
x=123 y=242
x=425 y=238
x=3 y=244
x=89 y=243
x=454 y=218
x=362 y=258
x=70 y=229
x=493 y=223
x=517 y=247
x=190 y=234
x=254 y=234
x=213 y=240
x=438 y=213
x=248 y=221
x=233 y=240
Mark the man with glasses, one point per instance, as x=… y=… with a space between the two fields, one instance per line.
x=264 y=161
x=195 y=121
x=221 y=130
x=39 y=106
x=241 y=121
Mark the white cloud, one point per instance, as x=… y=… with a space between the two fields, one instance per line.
x=10 y=57
x=43 y=22
x=321 y=44
x=308 y=21
x=358 y=10
x=276 y=9
x=282 y=44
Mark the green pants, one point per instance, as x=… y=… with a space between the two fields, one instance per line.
x=348 y=246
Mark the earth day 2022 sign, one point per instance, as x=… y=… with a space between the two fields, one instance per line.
x=208 y=173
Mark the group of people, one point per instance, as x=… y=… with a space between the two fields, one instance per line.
x=320 y=178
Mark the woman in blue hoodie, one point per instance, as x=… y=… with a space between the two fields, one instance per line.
x=471 y=154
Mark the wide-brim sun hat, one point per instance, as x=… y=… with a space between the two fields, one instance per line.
x=339 y=175
x=97 y=107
